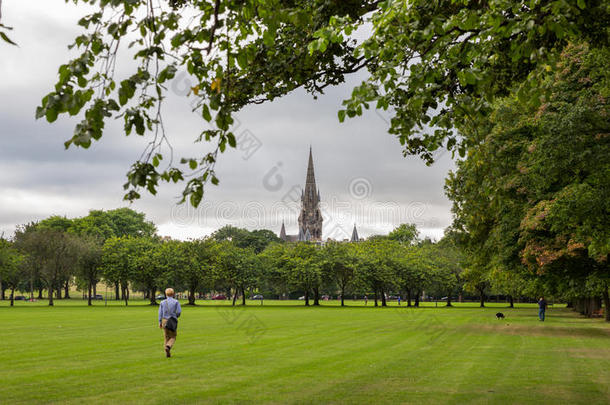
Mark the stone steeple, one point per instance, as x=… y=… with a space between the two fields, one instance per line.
x=355 y=237
x=283 y=232
x=310 y=218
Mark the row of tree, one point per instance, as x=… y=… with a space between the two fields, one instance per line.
x=121 y=249
x=531 y=199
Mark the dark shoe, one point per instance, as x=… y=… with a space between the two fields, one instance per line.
x=167 y=353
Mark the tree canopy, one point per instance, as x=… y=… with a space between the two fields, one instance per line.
x=435 y=66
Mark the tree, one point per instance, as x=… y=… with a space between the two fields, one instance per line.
x=476 y=280
x=531 y=196
x=200 y=260
x=25 y=242
x=57 y=254
x=11 y=269
x=148 y=259
x=376 y=267
x=90 y=261
x=238 y=268
x=258 y=239
x=413 y=270
x=276 y=262
x=338 y=264
x=437 y=66
x=117 y=222
x=449 y=258
x=117 y=264
x=405 y=234
x=511 y=283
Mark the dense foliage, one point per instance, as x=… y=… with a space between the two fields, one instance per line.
x=531 y=198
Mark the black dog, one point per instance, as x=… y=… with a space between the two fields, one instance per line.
x=499 y=315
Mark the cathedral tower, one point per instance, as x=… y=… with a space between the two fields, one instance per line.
x=310 y=219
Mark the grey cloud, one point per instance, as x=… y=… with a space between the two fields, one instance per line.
x=43 y=179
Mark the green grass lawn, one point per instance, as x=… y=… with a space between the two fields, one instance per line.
x=284 y=352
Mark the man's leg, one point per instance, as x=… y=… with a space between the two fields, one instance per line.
x=170 y=338
x=542 y=315
x=166 y=338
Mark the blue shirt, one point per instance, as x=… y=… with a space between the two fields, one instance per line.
x=169 y=308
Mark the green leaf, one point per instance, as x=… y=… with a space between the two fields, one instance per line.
x=6 y=38
x=341 y=115
x=232 y=140
x=205 y=111
x=581 y=4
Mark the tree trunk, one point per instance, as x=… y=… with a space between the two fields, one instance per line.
x=243 y=296
x=95 y=287
x=12 y=296
x=383 y=301
x=2 y=290
x=343 y=295
x=89 y=296
x=192 y=296
x=124 y=294
x=449 y=300
x=153 y=299
x=117 y=294
x=67 y=289
x=408 y=297
x=511 y=302
x=40 y=293
x=376 y=304
x=316 y=296
x=234 y=297
x=417 y=295
x=58 y=292
x=50 y=290
x=607 y=304
x=482 y=298
x=306 y=298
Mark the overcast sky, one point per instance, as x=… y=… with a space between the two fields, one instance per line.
x=360 y=171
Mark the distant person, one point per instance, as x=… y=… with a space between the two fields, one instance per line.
x=541 y=308
x=169 y=311
x=399 y=300
x=366 y=300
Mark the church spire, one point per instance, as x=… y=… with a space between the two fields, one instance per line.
x=283 y=232
x=310 y=219
x=311 y=192
x=355 y=237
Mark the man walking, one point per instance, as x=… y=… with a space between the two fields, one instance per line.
x=169 y=311
x=541 y=308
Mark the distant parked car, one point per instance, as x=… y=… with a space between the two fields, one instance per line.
x=257 y=297
x=160 y=297
x=98 y=297
x=20 y=298
x=302 y=297
x=392 y=297
x=219 y=297
x=444 y=299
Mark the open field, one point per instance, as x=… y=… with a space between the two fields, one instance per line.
x=284 y=352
